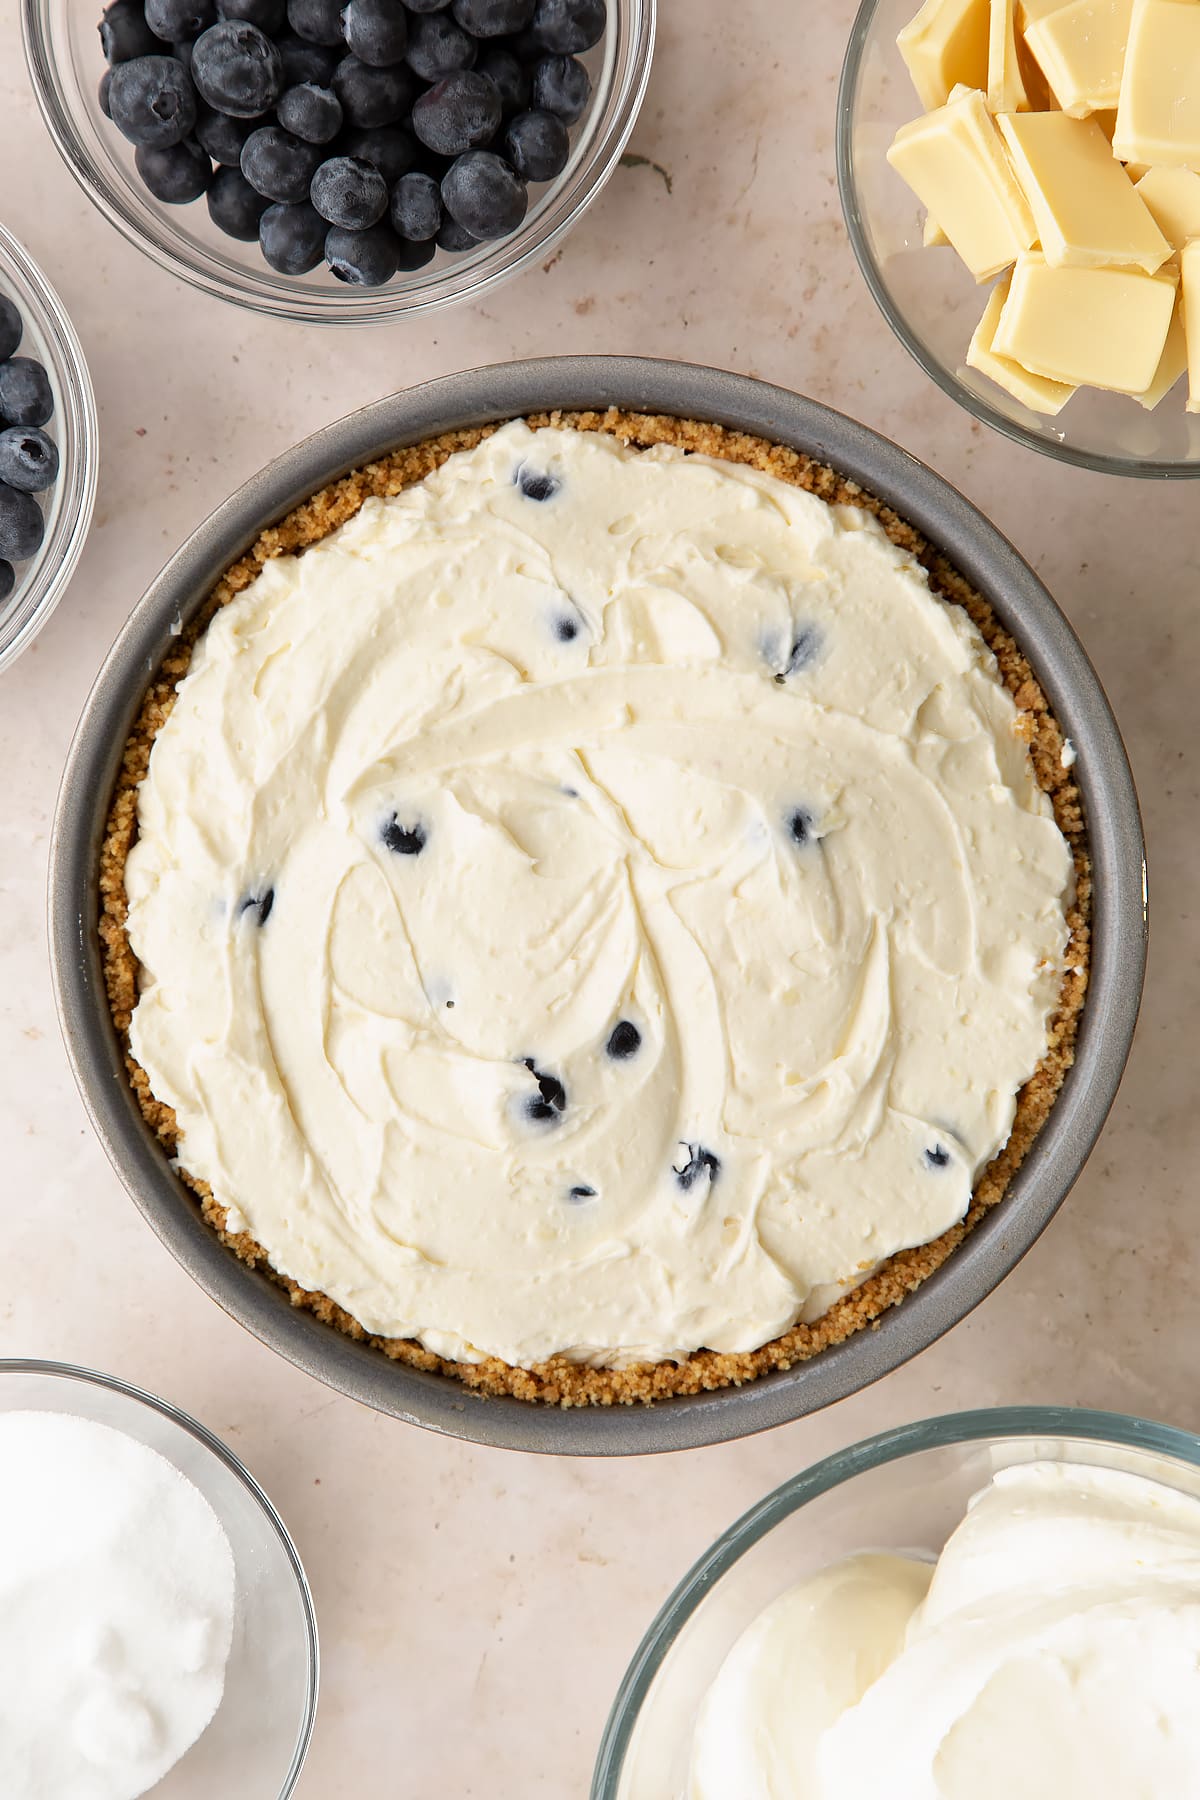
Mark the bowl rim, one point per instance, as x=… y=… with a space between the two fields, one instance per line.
x=76 y=1374
x=611 y=116
x=983 y=556
x=1097 y=461
x=78 y=432
x=979 y=1425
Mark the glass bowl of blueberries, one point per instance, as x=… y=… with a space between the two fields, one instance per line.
x=341 y=161
x=49 y=449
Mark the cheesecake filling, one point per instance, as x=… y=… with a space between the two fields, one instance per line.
x=596 y=902
x=1052 y=1651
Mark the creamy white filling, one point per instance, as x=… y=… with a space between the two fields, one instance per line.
x=1057 y=1653
x=485 y=776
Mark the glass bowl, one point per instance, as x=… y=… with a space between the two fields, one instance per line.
x=50 y=337
x=932 y=302
x=256 y=1744
x=65 y=62
x=903 y=1491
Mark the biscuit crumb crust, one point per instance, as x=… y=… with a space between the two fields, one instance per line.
x=560 y=1382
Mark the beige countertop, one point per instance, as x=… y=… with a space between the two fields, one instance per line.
x=477 y=1609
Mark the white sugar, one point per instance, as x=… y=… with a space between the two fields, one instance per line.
x=116 y=1611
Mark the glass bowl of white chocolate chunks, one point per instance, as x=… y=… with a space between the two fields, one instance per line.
x=1021 y=184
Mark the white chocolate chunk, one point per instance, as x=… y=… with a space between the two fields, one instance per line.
x=932 y=235
x=1005 y=86
x=1191 y=320
x=1086 y=209
x=1171 y=364
x=946 y=43
x=1102 y=328
x=1034 y=391
x=955 y=163
x=1080 y=49
x=1173 y=198
x=1158 y=119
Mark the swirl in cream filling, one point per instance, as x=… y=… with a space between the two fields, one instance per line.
x=595 y=902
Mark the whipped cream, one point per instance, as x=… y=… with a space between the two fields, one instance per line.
x=595 y=902
x=1055 y=1653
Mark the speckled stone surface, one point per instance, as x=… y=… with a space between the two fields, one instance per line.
x=478 y=1609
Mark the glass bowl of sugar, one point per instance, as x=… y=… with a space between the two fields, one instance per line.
x=157 y=1633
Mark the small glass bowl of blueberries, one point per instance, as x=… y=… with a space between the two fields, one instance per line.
x=49 y=449
x=341 y=161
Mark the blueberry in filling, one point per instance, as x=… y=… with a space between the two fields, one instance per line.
x=565 y=629
x=624 y=1040
x=700 y=1162
x=404 y=840
x=937 y=1158
x=259 y=904
x=800 y=824
x=535 y=484
x=582 y=1193
x=552 y=1095
x=804 y=651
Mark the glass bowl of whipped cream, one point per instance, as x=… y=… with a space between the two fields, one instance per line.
x=933 y=302
x=156 y=1627
x=995 y=1602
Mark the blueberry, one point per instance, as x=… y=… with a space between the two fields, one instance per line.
x=388 y=148
x=292 y=238
x=279 y=165
x=414 y=256
x=537 y=145
x=102 y=93
x=221 y=137
x=25 y=393
x=568 y=26
x=512 y=79
x=416 y=207
x=310 y=112
x=536 y=484
x=303 y=61
x=172 y=19
x=152 y=100
x=177 y=174
x=372 y=97
x=124 y=33
x=349 y=193
x=800 y=824
x=404 y=840
x=938 y=1157
x=566 y=629
x=624 y=1040
x=699 y=1162
x=8 y=581
x=258 y=904
x=237 y=69
x=493 y=18
x=376 y=31
x=320 y=21
x=234 y=206
x=458 y=114
x=21 y=525
x=268 y=15
x=28 y=459
x=484 y=194
x=806 y=647
x=452 y=236
x=437 y=47
x=581 y=1192
x=362 y=258
x=552 y=1095
x=12 y=327
x=561 y=86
